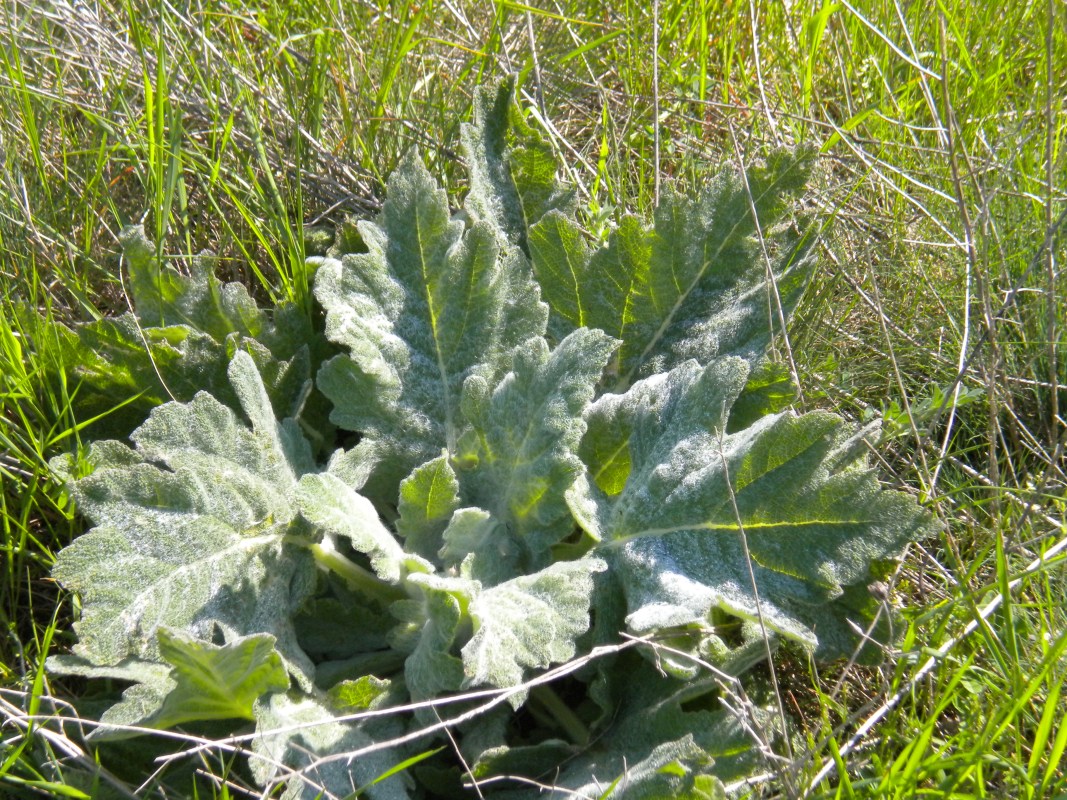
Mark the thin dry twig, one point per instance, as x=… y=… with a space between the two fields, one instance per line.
x=756 y=594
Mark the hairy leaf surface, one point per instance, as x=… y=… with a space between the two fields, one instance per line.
x=520 y=456
x=329 y=504
x=653 y=748
x=512 y=169
x=432 y=668
x=427 y=499
x=190 y=530
x=479 y=546
x=301 y=741
x=490 y=518
x=427 y=307
x=202 y=682
x=179 y=339
x=164 y=297
x=528 y=623
x=813 y=517
x=695 y=285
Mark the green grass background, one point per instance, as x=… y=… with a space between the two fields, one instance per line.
x=940 y=305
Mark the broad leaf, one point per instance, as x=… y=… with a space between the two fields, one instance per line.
x=427 y=307
x=120 y=358
x=163 y=297
x=202 y=682
x=301 y=741
x=512 y=169
x=694 y=286
x=528 y=623
x=432 y=669
x=673 y=769
x=650 y=746
x=520 y=456
x=190 y=531
x=587 y=287
x=427 y=499
x=478 y=545
x=655 y=721
x=813 y=517
x=524 y=624
x=359 y=695
x=769 y=390
x=340 y=624
x=180 y=339
x=332 y=507
x=152 y=682
x=123 y=370
x=214 y=682
x=494 y=518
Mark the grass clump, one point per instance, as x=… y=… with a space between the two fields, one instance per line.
x=941 y=306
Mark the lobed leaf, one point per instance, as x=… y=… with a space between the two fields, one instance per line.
x=331 y=506
x=527 y=623
x=202 y=682
x=432 y=669
x=492 y=516
x=140 y=703
x=512 y=169
x=302 y=742
x=218 y=682
x=655 y=745
x=190 y=531
x=179 y=340
x=695 y=285
x=163 y=297
x=479 y=546
x=428 y=306
x=520 y=456
x=428 y=497
x=815 y=520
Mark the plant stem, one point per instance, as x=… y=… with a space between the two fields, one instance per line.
x=355 y=576
x=575 y=729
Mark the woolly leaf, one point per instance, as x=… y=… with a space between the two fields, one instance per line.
x=214 y=682
x=494 y=514
x=180 y=340
x=814 y=518
x=427 y=499
x=332 y=507
x=204 y=682
x=520 y=457
x=301 y=741
x=432 y=669
x=152 y=682
x=651 y=748
x=695 y=285
x=190 y=531
x=427 y=307
x=528 y=623
x=513 y=170
x=358 y=695
x=163 y=297
x=768 y=391
x=478 y=544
